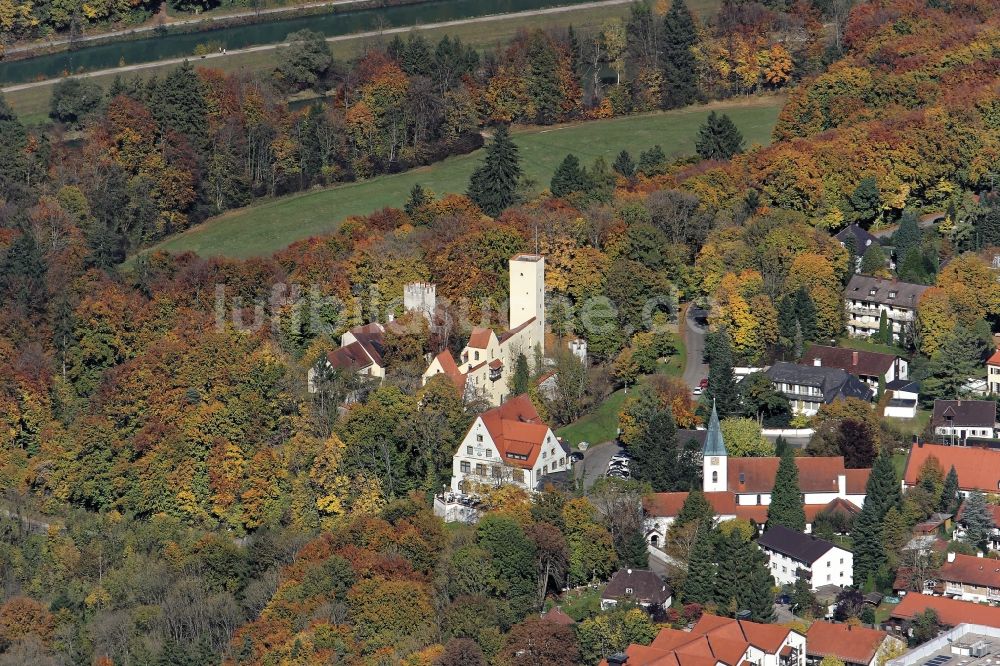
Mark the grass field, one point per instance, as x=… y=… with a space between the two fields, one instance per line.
x=32 y=104
x=265 y=228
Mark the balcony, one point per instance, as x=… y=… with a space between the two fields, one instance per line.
x=496 y=370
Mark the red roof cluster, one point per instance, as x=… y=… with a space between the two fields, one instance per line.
x=713 y=640
x=816 y=475
x=668 y=505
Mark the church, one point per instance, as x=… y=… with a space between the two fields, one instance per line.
x=741 y=487
x=486 y=364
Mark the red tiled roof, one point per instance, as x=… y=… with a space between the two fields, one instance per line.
x=668 y=505
x=480 y=338
x=450 y=368
x=856 y=362
x=713 y=640
x=516 y=428
x=816 y=474
x=856 y=645
x=496 y=364
x=994 y=359
x=971 y=570
x=978 y=468
x=950 y=612
x=351 y=357
x=503 y=337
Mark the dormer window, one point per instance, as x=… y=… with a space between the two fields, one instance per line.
x=628 y=590
x=892 y=294
x=871 y=292
x=743 y=477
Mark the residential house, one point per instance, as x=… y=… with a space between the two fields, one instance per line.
x=867 y=297
x=793 y=555
x=853 y=645
x=808 y=387
x=718 y=641
x=961 y=526
x=741 y=487
x=486 y=363
x=870 y=367
x=903 y=395
x=950 y=613
x=993 y=372
x=508 y=444
x=857 y=240
x=360 y=352
x=637 y=586
x=970 y=578
x=978 y=468
x=956 y=420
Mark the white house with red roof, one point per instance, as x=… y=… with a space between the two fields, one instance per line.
x=718 y=641
x=509 y=444
x=486 y=364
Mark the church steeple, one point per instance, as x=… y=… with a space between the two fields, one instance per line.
x=714 y=463
x=714 y=444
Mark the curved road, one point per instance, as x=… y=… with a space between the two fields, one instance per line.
x=337 y=38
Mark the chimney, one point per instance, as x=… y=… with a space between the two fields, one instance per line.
x=854 y=358
x=951 y=557
x=979 y=553
x=817 y=361
x=842 y=485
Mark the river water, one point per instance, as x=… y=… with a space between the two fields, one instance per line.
x=178 y=45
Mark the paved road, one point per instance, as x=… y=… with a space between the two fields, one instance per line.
x=595 y=462
x=76 y=41
x=695 y=368
x=338 y=38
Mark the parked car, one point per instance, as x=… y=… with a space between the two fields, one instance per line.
x=576 y=456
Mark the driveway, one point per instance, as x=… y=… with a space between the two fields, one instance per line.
x=595 y=462
x=695 y=369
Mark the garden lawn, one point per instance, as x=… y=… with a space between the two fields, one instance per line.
x=601 y=425
x=273 y=225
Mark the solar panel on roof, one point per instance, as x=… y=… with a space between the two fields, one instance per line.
x=938 y=660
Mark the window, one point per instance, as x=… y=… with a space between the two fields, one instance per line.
x=543 y=455
x=479 y=438
x=545 y=469
x=495 y=470
x=489 y=453
x=828 y=578
x=871 y=292
x=628 y=590
x=518 y=475
x=477 y=355
x=468 y=450
x=715 y=478
x=892 y=294
x=758 y=500
x=465 y=467
x=562 y=462
x=743 y=477
x=480 y=469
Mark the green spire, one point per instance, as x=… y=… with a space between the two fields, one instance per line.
x=714 y=446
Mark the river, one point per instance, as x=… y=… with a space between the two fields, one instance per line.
x=151 y=49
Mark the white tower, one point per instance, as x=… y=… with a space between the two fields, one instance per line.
x=420 y=297
x=527 y=291
x=715 y=460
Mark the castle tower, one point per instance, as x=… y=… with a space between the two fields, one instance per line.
x=527 y=292
x=420 y=297
x=714 y=464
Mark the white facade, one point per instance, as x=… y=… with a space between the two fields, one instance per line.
x=715 y=474
x=900 y=410
x=835 y=567
x=478 y=462
x=420 y=297
x=487 y=362
x=796 y=643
